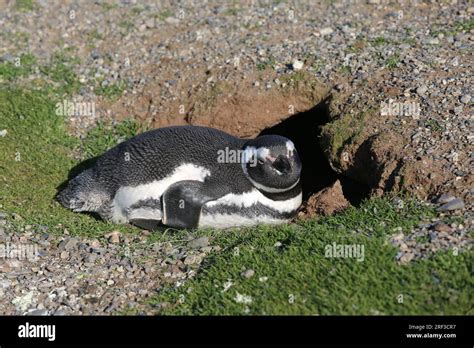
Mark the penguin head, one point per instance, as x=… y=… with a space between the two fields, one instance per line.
x=271 y=163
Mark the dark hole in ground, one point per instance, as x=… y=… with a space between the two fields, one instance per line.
x=304 y=130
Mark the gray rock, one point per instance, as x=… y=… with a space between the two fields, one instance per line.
x=60 y=312
x=421 y=90
x=444 y=198
x=114 y=237
x=433 y=41
x=465 y=99
x=68 y=244
x=7 y=58
x=192 y=260
x=442 y=227
x=150 y=23
x=95 y=54
x=16 y=217
x=172 y=20
x=248 y=273
x=326 y=31
x=38 y=312
x=23 y=302
x=454 y=204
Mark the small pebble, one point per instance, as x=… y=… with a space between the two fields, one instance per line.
x=248 y=273
x=455 y=204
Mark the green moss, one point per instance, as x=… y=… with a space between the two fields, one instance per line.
x=342 y=131
x=25 y=5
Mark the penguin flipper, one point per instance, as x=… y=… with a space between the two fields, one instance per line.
x=182 y=203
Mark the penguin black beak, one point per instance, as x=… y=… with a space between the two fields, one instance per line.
x=282 y=164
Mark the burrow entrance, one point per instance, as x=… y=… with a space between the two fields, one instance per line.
x=304 y=129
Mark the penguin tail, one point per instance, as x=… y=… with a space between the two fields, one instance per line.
x=82 y=194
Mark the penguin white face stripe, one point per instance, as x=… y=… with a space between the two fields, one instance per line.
x=128 y=195
x=252 y=197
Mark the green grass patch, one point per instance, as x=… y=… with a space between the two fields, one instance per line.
x=263 y=65
x=111 y=91
x=105 y=136
x=392 y=61
x=164 y=14
x=25 y=5
x=379 y=41
x=434 y=125
x=293 y=275
x=36 y=157
x=57 y=76
x=21 y=66
x=232 y=11
x=345 y=70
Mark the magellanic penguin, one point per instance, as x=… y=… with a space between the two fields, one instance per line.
x=189 y=177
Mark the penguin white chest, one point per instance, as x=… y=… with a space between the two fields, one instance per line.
x=247 y=209
x=133 y=202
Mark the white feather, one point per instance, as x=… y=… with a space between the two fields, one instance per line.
x=234 y=220
x=254 y=196
x=128 y=195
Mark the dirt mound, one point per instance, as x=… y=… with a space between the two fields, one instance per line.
x=340 y=135
x=326 y=202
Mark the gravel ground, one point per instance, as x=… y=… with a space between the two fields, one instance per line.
x=163 y=56
x=72 y=275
